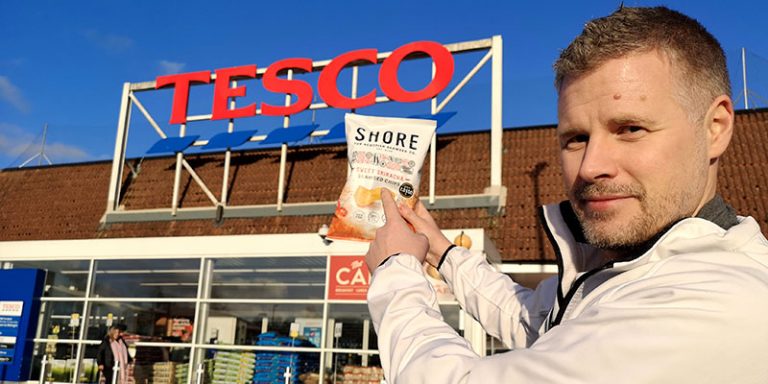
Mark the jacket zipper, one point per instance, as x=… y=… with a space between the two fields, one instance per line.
x=563 y=299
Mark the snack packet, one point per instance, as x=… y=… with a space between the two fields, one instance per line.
x=383 y=152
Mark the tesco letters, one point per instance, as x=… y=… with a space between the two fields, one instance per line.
x=326 y=86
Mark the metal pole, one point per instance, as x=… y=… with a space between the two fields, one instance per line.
x=281 y=176
x=40 y=155
x=744 y=75
x=177 y=174
x=115 y=371
x=228 y=154
x=115 y=180
x=42 y=146
x=366 y=336
x=433 y=149
x=84 y=322
x=325 y=340
x=464 y=81
x=288 y=374
x=355 y=72
x=283 y=153
x=44 y=365
x=200 y=372
x=496 y=128
x=335 y=359
x=204 y=282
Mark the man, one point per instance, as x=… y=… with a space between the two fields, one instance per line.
x=659 y=281
x=114 y=349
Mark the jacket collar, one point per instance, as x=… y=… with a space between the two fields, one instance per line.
x=574 y=256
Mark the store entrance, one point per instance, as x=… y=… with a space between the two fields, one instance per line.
x=212 y=310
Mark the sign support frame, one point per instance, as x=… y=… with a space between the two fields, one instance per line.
x=493 y=198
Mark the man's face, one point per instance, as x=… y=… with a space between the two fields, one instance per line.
x=632 y=161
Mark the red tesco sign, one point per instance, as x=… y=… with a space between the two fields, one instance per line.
x=326 y=86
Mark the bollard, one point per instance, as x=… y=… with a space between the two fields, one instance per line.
x=43 y=366
x=115 y=372
x=200 y=372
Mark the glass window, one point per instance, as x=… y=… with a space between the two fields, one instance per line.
x=63 y=278
x=153 y=321
x=269 y=278
x=352 y=321
x=451 y=315
x=353 y=368
x=242 y=324
x=261 y=367
x=494 y=346
x=61 y=320
x=150 y=365
x=60 y=362
x=147 y=278
x=153 y=364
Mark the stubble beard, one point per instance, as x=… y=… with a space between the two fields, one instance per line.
x=612 y=230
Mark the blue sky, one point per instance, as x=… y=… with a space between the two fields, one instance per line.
x=64 y=62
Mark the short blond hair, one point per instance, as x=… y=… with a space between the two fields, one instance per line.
x=694 y=53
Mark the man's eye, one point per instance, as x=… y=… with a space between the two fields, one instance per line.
x=575 y=141
x=631 y=130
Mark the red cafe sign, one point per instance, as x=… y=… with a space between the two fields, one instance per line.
x=348 y=278
x=326 y=86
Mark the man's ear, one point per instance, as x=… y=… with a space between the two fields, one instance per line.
x=719 y=125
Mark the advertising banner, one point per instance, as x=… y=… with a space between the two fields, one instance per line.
x=10 y=317
x=348 y=278
x=19 y=306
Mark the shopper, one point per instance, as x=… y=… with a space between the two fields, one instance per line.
x=114 y=349
x=659 y=281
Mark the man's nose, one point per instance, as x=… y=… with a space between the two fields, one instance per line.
x=599 y=160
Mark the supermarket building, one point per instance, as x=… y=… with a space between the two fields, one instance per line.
x=216 y=261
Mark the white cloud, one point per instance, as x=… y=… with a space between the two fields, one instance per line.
x=13 y=140
x=16 y=143
x=65 y=152
x=12 y=95
x=109 y=42
x=171 y=67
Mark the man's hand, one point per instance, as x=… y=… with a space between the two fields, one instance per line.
x=394 y=237
x=423 y=223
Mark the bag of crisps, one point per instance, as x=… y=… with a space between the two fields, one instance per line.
x=383 y=152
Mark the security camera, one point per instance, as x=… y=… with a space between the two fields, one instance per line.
x=323 y=233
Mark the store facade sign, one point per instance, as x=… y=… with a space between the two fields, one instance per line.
x=10 y=318
x=305 y=87
x=19 y=301
x=327 y=86
x=348 y=278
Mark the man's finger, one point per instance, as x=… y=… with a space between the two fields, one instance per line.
x=420 y=213
x=390 y=208
x=409 y=215
x=420 y=209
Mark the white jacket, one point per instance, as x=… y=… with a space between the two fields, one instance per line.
x=692 y=309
